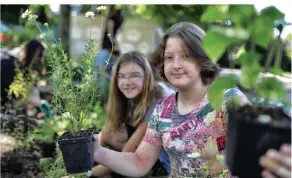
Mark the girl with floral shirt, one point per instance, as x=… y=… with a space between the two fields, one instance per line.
x=185 y=124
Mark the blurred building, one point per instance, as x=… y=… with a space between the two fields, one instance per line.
x=141 y=35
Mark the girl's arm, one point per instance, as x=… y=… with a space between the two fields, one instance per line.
x=104 y=135
x=129 y=164
x=134 y=164
x=131 y=146
x=135 y=140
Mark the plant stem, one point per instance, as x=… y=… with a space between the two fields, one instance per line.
x=59 y=45
x=252 y=46
x=101 y=27
x=270 y=56
x=107 y=61
x=231 y=60
x=72 y=125
x=90 y=31
x=46 y=42
x=278 y=59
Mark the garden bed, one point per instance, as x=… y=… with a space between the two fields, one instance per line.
x=19 y=162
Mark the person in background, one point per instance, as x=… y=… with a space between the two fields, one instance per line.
x=29 y=58
x=277 y=163
x=109 y=50
x=113 y=23
x=184 y=123
x=132 y=97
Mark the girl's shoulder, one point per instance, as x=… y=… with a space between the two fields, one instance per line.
x=166 y=100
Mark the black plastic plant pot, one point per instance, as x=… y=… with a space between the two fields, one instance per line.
x=251 y=132
x=77 y=151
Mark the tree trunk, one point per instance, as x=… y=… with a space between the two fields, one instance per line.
x=64 y=27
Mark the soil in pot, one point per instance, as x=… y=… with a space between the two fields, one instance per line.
x=251 y=132
x=77 y=150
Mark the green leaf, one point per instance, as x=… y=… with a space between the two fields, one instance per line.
x=217 y=39
x=250 y=69
x=214 y=45
x=235 y=35
x=276 y=71
x=271 y=89
x=217 y=89
x=262 y=31
x=45 y=164
x=240 y=14
x=214 y=13
x=273 y=13
x=249 y=77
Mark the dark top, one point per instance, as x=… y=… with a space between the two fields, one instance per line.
x=130 y=128
x=117 y=18
x=7 y=74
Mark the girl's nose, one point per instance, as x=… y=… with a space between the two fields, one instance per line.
x=177 y=63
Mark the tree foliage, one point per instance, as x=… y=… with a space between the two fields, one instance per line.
x=166 y=15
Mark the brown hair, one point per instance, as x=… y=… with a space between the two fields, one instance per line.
x=192 y=35
x=32 y=55
x=117 y=107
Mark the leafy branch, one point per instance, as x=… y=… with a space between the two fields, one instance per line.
x=73 y=99
x=247 y=29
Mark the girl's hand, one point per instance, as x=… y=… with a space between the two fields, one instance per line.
x=96 y=142
x=97 y=147
x=277 y=162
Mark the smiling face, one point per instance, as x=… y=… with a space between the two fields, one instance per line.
x=130 y=79
x=179 y=67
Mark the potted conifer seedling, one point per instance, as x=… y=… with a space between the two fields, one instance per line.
x=73 y=99
x=254 y=128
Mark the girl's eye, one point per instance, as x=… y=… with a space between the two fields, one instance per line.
x=167 y=57
x=120 y=76
x=135 y=76
x=186 y=57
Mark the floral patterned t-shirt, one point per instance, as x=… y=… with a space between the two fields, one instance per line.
x=202 y=131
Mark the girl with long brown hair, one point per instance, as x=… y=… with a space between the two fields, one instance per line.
x=133 y=94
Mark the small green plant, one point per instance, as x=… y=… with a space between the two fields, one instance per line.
x=74 y=100
x=14 y=119
x=54 y=167
x=57 y=125
x=23 y=83
x=75 y=92
x=238 y=29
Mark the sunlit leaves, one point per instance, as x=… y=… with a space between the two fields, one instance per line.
x=272 y=13
x=250 y=69
x=262 y=31
x=214 y=13
x=18 y=87
x=240 y=14
x=271 y=89
x=262 y=28
x=217 y=39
